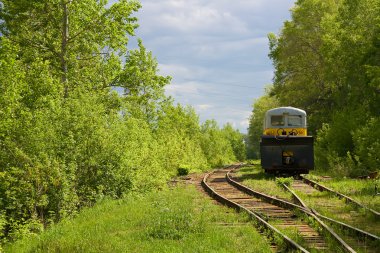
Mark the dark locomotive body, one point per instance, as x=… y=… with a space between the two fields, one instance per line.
x=285 y=147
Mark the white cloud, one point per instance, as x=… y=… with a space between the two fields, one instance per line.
x=192 y=16
x=191 y=88
x=215 y=50
x=203 y=107
x=170 y=69
x=244 y=123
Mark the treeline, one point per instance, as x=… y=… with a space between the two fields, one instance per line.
x=327 y=62
x=67 y=137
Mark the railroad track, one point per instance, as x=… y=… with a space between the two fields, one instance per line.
x=359 y=239
x=275 y=215
x=301 y=184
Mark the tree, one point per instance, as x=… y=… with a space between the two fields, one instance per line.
x=67 y=138
x=178 y=134
x=301 y=77
x=80 y=39
x=236 y=140
x=215 y=146
x=327 y=62
x=256 y=122
x=143 y=87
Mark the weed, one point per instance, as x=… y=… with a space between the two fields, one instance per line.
x=284 y=180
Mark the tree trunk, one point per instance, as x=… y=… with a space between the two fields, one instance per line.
x=65 y=37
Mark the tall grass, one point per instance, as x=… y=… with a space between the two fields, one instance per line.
x=176 y=220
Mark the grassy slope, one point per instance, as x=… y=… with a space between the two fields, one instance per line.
x=177 y=220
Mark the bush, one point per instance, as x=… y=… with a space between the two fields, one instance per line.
x=367 y=144
x=346 y=147
x=182 y=171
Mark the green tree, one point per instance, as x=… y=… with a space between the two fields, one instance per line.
x=67 y=138
x=256 y=122
x=236 y=140
x=80 y=39
x=178 y=134
x=215 y=146
x=327 y=62
x=143 y=87
x=301 y=78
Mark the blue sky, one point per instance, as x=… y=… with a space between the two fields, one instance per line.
x=215 y=50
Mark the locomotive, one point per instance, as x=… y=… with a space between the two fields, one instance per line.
x=285 y=146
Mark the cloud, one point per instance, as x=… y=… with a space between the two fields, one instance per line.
x=203 y=107
x=244 y=124
x=215 y=50
x=183 y=88
x=169 y=69
x=191 y=16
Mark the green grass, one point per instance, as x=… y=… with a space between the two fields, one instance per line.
x=333 y=207
x=177 y=220
x=363 y=191
x=323 y=202
x=255 y=178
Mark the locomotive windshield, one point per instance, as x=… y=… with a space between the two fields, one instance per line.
x=277 y=120
x=294 y=120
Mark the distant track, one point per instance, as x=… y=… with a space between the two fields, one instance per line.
x=271 y=213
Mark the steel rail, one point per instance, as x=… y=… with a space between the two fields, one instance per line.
x=289 y=242
x=363 y=234
x=289 y=205
x=263 y=196
x=340 y=195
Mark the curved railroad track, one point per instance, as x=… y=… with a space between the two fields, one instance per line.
x=358 y=238
x=274 y=214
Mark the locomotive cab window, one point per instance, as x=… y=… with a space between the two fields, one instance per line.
x=295 y=120
x=277 y=120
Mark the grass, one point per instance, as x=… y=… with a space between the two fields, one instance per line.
x=333 y=207
x=323 y=202
x=255 y=178
x=362 y=190
x=176 y=220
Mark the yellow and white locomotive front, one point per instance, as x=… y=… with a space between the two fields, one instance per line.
x=285 y=121
x=285 y=146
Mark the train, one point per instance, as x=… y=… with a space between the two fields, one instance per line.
x=285 y=147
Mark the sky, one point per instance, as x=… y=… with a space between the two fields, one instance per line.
x=216 y=52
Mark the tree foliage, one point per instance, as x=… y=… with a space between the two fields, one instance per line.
x=327 y=62
x=67 y=138
x=256 y=122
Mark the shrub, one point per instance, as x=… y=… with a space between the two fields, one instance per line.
x=182 y=171
x=367 y=144
x=350 y=150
